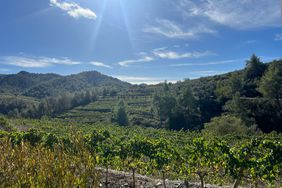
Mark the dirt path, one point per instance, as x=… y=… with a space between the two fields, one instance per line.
x=119 y=179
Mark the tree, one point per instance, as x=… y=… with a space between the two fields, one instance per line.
x=164 y=102
x=254 y=68
x=186 y=114
x=239 y=108
x=221 y=126
x=271 y=83
x=227 y=90
x=121 y=115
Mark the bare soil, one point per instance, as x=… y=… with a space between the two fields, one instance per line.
x=119 y=179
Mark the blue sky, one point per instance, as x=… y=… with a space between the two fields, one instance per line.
x=138 y=40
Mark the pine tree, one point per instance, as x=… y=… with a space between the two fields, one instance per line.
x=271 y=83
x=121 y=115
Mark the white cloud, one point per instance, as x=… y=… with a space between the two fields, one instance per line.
x=278 y=37
x=230 y=61
x=100 y=64
x=205 y=73
x=209 y=63
x=170 y=29
x=36 y=62
x=238 y=14
x=126 y=63
x=143 y=80
x=73 y=9
x=165 y=54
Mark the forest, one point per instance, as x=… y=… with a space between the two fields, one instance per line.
x=210 y=130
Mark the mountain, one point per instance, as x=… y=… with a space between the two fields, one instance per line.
x=18 y=83
x=44 y=85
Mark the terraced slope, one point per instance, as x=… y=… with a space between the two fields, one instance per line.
x=102 y=111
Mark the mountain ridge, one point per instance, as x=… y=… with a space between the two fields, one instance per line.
x=41 y=85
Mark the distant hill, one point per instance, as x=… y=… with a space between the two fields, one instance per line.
x=96 y=96
x=44 y=85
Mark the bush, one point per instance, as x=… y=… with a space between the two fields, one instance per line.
x=33 y=136
x=36 y=166
x=4 y=125
x=224 y=125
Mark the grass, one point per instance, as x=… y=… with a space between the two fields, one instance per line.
x=25 y=165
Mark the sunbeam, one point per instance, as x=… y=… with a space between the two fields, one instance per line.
x=127 y=26
x=97 y=26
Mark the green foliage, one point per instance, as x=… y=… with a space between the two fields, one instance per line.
x=254 y=68
x=239 y=108
x=271 y=83
x=164 y=102
x=24 y=165
x=33 y=136
x=246 y=160
x=121 y=115
x=233 y=85
x=5 y=125
x=89 y=97
x=46 y=85
x=50 y=140
x=156 y=152
x=224 y=125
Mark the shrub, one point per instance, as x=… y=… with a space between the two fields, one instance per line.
x=224 y=125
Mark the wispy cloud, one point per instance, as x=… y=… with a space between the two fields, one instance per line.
x=100 y=64
x=238 y=14
x=230 y=61
x=166 y=54
x=126 y=63
x=209 y=63
x=170 y=29
x=73 y=9
x=201 y=73
x=36 y=62
x=143 y=80
x=278 y=37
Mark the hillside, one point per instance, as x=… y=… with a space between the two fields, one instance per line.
x=20 y=82
x=45 y=85
x=93 y=98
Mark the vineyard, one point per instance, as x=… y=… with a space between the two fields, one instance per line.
x=76 y=150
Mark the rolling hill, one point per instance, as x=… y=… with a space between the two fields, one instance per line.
x=45 y=85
